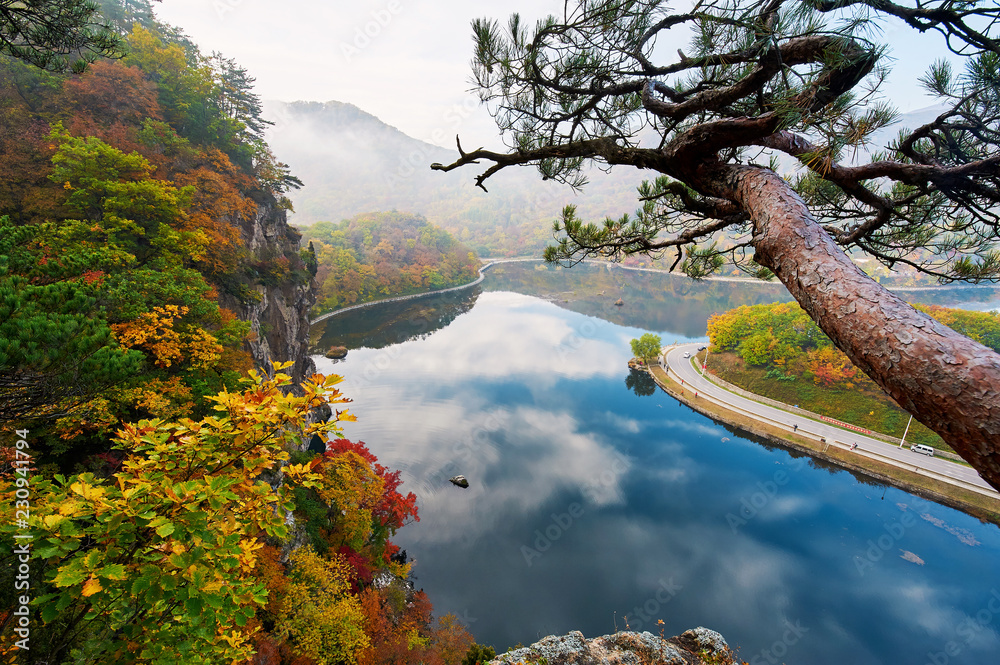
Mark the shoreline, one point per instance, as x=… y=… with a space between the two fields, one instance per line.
x=971 y=503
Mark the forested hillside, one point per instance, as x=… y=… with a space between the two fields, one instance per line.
x=167 y=501
x=384 y=254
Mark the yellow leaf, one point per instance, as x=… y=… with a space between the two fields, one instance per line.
x=91 y=586
x=88 y=492
x=51 y=521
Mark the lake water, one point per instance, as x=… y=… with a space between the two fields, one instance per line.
x=594 y=505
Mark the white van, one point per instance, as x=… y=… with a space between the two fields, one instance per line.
x=924 y=450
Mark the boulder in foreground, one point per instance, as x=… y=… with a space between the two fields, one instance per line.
x=699 y=646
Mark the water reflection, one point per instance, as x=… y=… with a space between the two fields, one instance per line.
x=676 y=305
x=381 y=326
x=589 y=503
x=654 y=301
x=641 y=383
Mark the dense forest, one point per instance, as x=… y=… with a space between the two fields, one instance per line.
x=167 y=501
x=777 y=351
x=384 y=254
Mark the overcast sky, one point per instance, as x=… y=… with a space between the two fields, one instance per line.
x=405 y=61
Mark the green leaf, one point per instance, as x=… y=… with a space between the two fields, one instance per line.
x=140 y=585
x=194 y=606
x=69 y=577
x=115 y=571
x=49 y=612
x=165 y=530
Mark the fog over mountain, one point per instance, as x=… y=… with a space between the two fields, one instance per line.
x=351 y=162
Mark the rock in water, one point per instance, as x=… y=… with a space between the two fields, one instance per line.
x=337 y=352
x=460 y=481
x=694 y=647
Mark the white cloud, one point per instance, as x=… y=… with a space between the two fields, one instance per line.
x=630 y=425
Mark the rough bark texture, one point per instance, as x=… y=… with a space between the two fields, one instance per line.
x=946 y=380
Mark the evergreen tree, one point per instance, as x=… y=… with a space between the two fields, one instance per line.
x=57 y=35
x=56 y=347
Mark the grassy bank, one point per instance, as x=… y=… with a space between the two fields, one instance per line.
x=973 y=503
x=861 y=406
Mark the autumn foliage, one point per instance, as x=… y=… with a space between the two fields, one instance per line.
x=782 y=337
x=177 y=554
x=377 y=255
x=174 y=516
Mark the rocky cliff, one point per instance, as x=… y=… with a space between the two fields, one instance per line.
x=699 y=646
x=277 y=307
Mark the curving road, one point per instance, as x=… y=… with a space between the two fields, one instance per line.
x=684 y=369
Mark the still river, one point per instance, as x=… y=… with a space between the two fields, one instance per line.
x=594 y=504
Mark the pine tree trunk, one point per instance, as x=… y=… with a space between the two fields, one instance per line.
x=946 y=380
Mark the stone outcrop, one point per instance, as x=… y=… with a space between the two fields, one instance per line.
x=699 y=646
x=278 y=313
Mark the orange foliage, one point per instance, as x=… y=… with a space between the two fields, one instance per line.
x=111 y=92
x=830 y=367
x=217 y=206
x=154 y=332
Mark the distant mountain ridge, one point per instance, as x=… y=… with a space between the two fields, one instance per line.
x=352 y=163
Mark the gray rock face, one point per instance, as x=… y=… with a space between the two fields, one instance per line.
x=699 y=646
x=279 y=318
